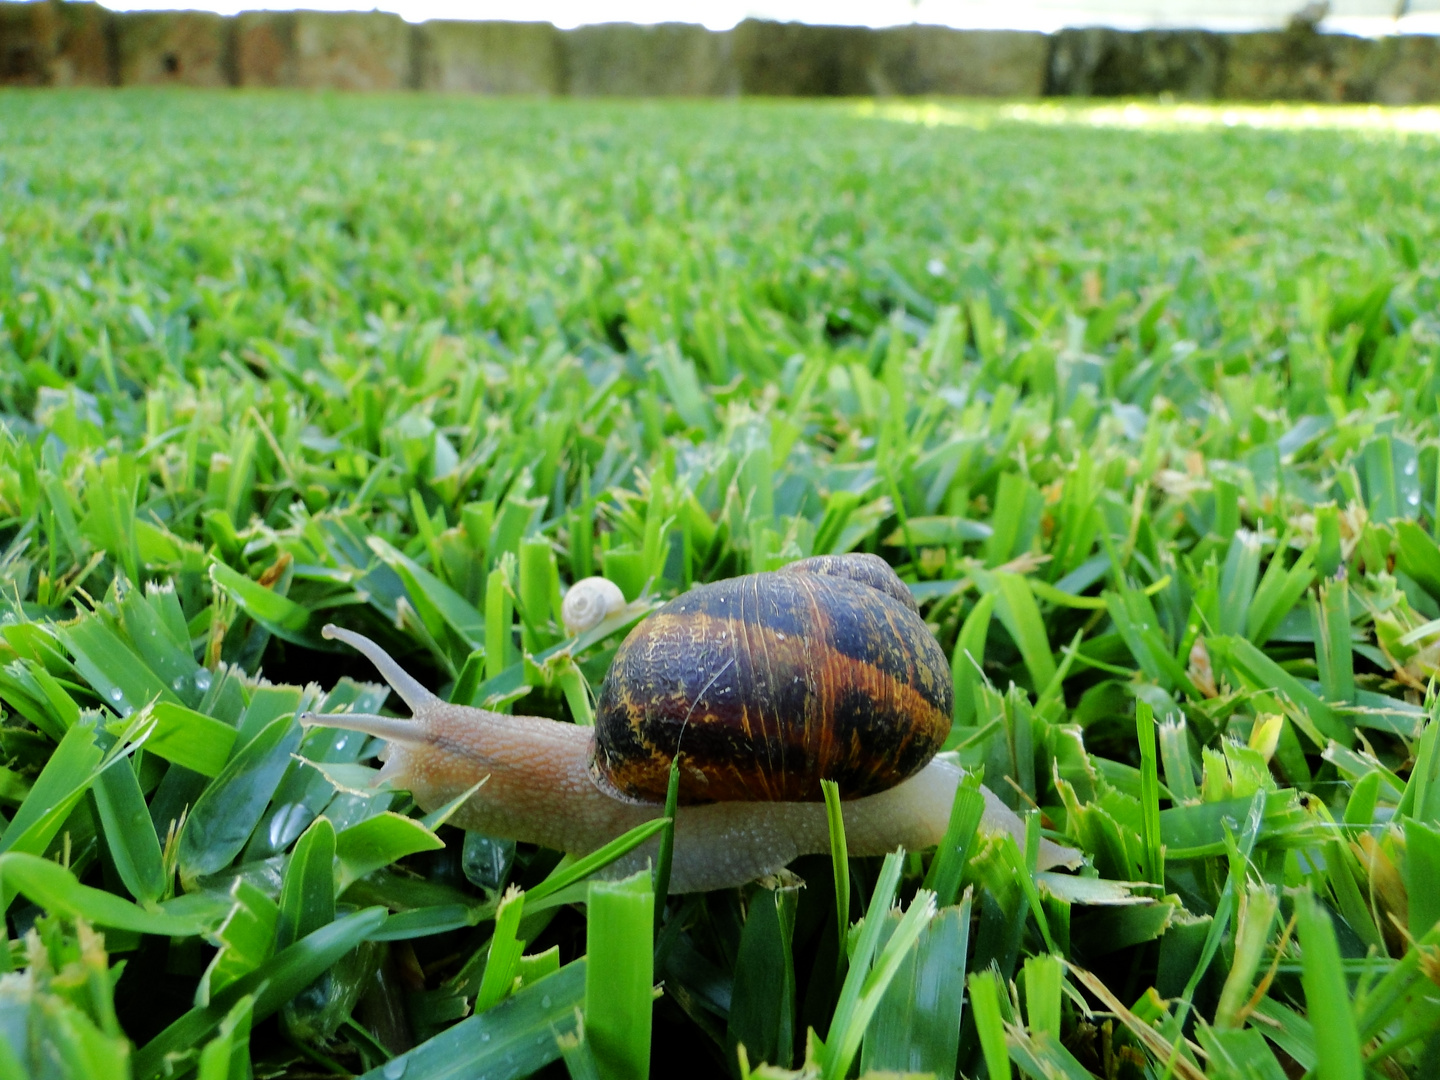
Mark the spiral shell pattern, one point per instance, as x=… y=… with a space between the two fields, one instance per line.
x=588 y=603
x=770 y=683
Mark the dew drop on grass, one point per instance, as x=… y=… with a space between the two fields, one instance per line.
x=116 y=694
x=394 y=1069
x=485 y=1036
x=545 y=1002
x=178 y=683
x=202 y=683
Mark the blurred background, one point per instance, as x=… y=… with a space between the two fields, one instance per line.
x=1357 y=51
x=1349 y=16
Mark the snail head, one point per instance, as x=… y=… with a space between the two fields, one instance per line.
x=404 y=738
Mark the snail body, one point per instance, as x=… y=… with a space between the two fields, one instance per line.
x=753 y=716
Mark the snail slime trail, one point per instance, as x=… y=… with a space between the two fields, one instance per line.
x=822 y=670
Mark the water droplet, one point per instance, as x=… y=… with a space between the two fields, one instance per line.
x=394 y=1069
x=485 y=1036
x=115 y=694
x=178 y=683
x=202 y=683
x=545 y=1002
x=1410 y=467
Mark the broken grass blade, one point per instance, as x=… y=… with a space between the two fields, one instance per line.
x=989 y=1023
x=947 y=865
x=378 y=841
x=1327 y=998
x=852 y=1014
x=916 y=1027
x=504 y=952
x=280 y=615
x=620 y=935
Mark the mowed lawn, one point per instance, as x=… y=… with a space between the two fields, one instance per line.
x=1141 y=401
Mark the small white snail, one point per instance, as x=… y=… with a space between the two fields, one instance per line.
x=590 y=602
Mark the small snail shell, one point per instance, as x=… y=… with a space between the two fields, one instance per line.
x=589 y=602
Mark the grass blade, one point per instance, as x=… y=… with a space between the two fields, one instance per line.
x=1154 y=851
x=865 y=985
x=68 y=774
x=916 y=1027
x=273 y=983
x=125 y=819
x=510 y=1041
x=564 y=876
x=231 y=806
x=58 y=891
x=1020 y=615
x=985 y=997
x=1327 y=998
x=1044 y=976
x=839 y=861
x=307 y=891
x=1333 y=651
x=505 y=950
x=965 y=671
x=618 y=975
x=763 y=1001
x=953 y=852
x=667 y=841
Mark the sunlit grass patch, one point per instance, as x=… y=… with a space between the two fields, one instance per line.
x=1164 y=116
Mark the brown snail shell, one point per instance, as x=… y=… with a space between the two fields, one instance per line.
x=770 y=683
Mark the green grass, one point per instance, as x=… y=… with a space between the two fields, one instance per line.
x=1141 y=401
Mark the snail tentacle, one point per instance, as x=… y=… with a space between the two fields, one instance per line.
x=401 y=681
x=390 y=728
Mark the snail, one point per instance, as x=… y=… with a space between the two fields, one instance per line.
x=765 y=684
x=588 y=602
